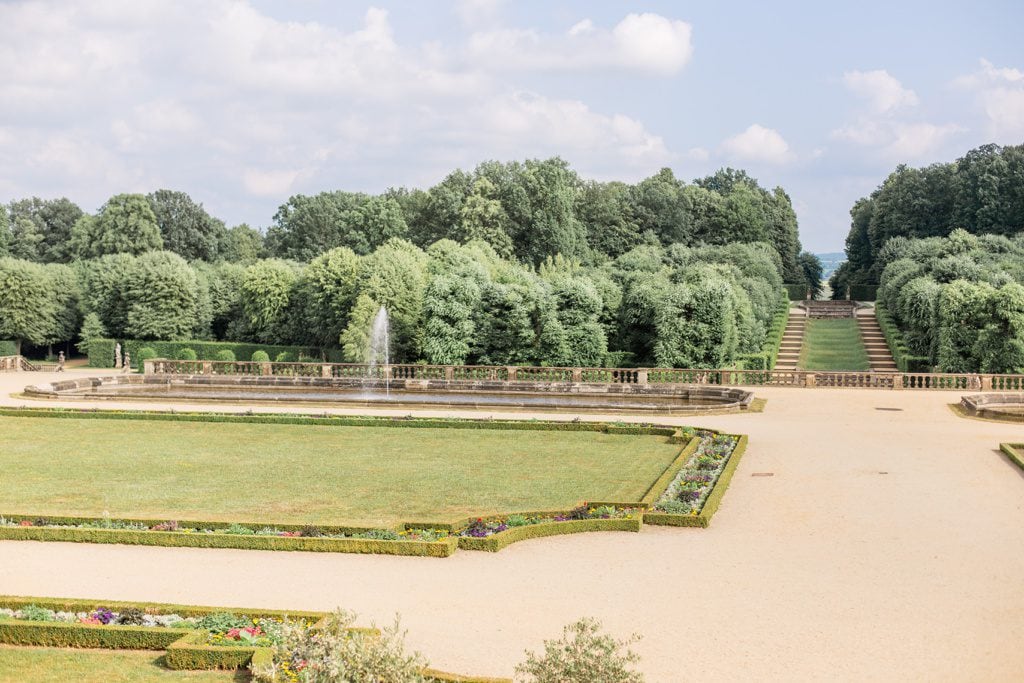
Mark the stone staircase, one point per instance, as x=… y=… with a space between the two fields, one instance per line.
x=874 y=342
x=792 y=340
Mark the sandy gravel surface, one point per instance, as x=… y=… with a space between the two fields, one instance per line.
x=828 y=570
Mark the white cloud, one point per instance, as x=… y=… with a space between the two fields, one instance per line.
x=273 y=183
x=698 y=154
x=915 y=140
x=478 y=12
x=883 y=92
x=1000 y=94
x=646 y=42
x=758 y=144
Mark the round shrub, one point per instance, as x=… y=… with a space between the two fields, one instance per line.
x=145 y=353
x=285 y=357
x=187 y=354
x=260 y=357
x=225 y=355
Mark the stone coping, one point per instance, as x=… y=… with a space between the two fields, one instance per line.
x=665 y=398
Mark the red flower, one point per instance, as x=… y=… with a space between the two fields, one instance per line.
x=25 y=522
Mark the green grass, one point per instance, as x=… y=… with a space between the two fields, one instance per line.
x=366 y=476
x=57 y=665
x=833 y=345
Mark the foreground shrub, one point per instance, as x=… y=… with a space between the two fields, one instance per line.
x=260 y=357
x=336 y=654
x=225 y=355
x=145 y=353
x=582 y=655
x=187 y=354
x=285 y=357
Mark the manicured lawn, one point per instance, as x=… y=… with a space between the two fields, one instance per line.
x=56 y=665
x=833 y=345
x=297 y=474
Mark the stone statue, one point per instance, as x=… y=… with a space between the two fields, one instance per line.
x=117 y=355
x=127 y=362
x=60 y=361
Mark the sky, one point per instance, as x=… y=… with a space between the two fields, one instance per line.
x=243 y=103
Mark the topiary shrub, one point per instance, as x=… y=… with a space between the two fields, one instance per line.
x=260 y=357
x=285 y=357
x=145 y=353
x=187 y=354
x=225 y=355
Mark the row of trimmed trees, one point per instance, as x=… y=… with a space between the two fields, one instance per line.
x=449 y=304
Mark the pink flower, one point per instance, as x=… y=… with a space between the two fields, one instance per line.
x=232 y=634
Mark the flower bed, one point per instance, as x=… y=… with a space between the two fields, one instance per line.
x=695 y=492
x=494 y=533
x=193 y=637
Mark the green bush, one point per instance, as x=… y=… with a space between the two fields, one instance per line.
x=10 y=348
x=101 y=351
x=285 y=357
x=185 y=354
x=145 y=353
x=260 y=356
x=225 y=355
x=582 y=655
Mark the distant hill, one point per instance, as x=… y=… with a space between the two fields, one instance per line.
x=830 y=261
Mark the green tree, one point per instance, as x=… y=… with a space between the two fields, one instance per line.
x=185 y=226
x=305 y=227
x=26 y=240
x=242 y=244
x=125 y=224
x=92 y=329
x=28 y=307
x=812 y=271
x=104 y=290
x=450 y=301
x=482 y=217
x=53 y=220
x=162 y=295
x=266 y=298
x=330 y=285
x=67 y=316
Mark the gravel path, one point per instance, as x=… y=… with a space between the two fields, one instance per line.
x=888 y=545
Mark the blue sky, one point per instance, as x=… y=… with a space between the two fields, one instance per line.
x=242 y=104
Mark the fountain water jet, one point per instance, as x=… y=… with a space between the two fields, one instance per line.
x=379 y=349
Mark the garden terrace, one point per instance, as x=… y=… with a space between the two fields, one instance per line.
x=998 y=406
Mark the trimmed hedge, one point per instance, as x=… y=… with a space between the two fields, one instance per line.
x=769 y=354
x=797 y=292
x=496 y=542
x=10 y=348
x=191 y=652
x=112 y=637
x=1015 y=452
x=894 y=338
x=327 y=420
x=714 y=499
x=663 y=482
x=101 y=351
x=87 y=605
x=179 y=539
x=863 y=292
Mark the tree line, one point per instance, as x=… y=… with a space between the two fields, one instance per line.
x=981 y=192
x=512 y=263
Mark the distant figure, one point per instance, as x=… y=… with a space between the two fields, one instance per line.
x=127 y=362
x=60 y=362
x=117 y=355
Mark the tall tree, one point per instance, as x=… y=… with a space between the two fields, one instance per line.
x=53 y=220
x=28 y=307
x=125 y=224
x=185 y=226
x=242 y=244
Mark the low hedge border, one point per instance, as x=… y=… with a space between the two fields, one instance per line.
x=327 y=420
x=101 y=351
x=178 y=539
x=714 y=499
x=1015 y=452
x=662 y=482
x=502 y=539
x=185 y=649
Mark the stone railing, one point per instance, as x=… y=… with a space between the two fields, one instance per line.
x=411 y=373
x=16 y=363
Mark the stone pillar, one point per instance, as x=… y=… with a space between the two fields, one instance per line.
x=641 y=376
x=266 y=369
x=897 y=381
x=449 y=373
x=207 y=367
x=986 y=382
x=325 y=370
x=810 y=380
x=577 y=375
x=148 y=367
x=511 y=369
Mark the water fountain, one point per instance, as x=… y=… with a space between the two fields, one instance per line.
x=379 y=349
